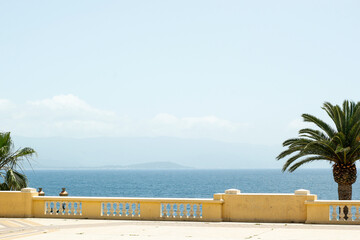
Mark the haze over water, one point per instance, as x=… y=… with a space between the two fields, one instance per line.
x=184 y=183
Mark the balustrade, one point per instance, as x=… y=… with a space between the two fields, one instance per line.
x=120 y=209
x=65 y=208
x=229 y=206
x=127 y=208
x=181 y=210
x=346 y=213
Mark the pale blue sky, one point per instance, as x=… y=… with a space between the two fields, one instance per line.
x=238 y=71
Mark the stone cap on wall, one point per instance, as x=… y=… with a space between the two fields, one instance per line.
x=232 y=191
x=32 y=190
x=302 y=192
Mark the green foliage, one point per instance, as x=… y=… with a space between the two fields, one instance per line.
x=10 y=161
x=339 y=145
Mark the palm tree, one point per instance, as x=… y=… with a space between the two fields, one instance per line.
x=340 y=146
x=10 y=160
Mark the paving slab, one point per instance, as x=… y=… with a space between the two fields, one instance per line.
x=75 y=229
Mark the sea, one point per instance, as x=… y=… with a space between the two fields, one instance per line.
x=193 y=183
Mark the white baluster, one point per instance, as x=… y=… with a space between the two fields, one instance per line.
x=182 y=209
x=108 y=209
x=341 y=215
x=62 y=208
x=163 y=210
x=111 y=213
x=70 y=207
x=123 y=209
x=133 y=209
x=47 y=208
x=357 y=215
x=74 y=211
x=200 y=211
x=350 y=213
x=121 y=206
x=65 y=208
x=78 y=208
x=57 y=208
x=171 y=210
x=197 y=210
x=117 y=209
x=73 y=208
x=334 y=214
x=130 y=213
x=102 y=208
x=52 y=207
x=130 y=210
x=177 y=210
x=191 y=213
x=136 y=212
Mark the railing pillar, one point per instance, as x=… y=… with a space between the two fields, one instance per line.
x=317 y=213
x=28 y=194
x=91 y=209
x=212 y=212
x=150 y=210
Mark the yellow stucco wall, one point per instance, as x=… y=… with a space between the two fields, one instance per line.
x=264 y=207
x=16 y=203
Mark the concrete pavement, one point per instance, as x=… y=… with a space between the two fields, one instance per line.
x=42 y=228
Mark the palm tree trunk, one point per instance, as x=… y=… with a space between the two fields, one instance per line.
x=344 y=191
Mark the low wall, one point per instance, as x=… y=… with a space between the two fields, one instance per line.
x=16 y=203
x=240 y=207
x=231 y=206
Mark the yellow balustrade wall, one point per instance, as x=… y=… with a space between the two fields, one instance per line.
x=333 y=212
x=300 y=207
x=128 y=208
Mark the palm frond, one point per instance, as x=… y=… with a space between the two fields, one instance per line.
x=321 y=124
x=313 y=134
x=306 y=160
x=337 y=145
x=15 y=180
x=10 y=161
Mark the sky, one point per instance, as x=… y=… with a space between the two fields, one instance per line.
x=231 y=71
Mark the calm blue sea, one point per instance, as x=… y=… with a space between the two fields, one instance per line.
x=183 y=183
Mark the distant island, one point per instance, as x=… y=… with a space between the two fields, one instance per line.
x=149 y=165
x=120 y=152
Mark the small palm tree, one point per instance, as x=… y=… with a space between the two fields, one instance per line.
x=10 y=160
x=340 y=146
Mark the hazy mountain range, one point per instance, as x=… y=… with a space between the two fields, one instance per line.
x=149 y=165
x=148 y=153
